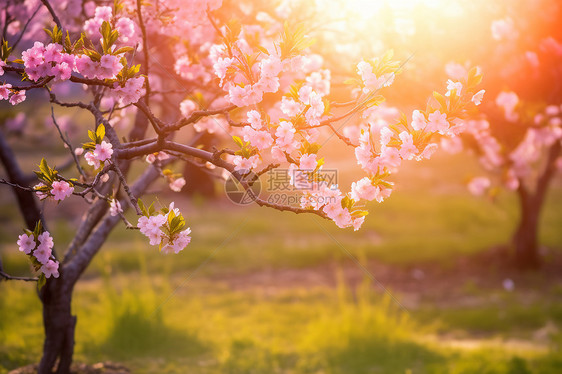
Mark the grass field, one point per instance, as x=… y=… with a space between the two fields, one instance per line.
x=260 y=291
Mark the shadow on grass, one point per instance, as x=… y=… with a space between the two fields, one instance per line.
x=135 y=333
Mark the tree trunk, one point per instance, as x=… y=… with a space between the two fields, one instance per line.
x=525 y=239
x=59 y=325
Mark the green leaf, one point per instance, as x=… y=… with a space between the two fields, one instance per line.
x=118 y=51
x=100 y=132
x=441 y=100
x=41 y=282
x=238 y=141
x=143 y=208
x=374 y=101
x=92 y=135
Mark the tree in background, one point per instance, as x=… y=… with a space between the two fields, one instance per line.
x=517 y=137
x=156 y=78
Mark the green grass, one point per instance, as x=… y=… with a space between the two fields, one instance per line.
x=124 y=313
x=212 y=329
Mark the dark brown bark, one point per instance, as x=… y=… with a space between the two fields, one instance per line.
x=59 y=325
x=26 y=201
x=525 y=238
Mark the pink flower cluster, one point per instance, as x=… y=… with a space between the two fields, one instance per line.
x=125 y=26
x=42 y=61
x=370 y=80
x=515 y=163
x=14 y=96
x=59 y=191
x=157 y=229
x=40 y=248
x=130 y=92
x=101 y=153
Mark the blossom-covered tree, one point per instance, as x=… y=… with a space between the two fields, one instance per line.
x=257 y=83
x=517 y=136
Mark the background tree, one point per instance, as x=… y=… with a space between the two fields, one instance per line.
x=155 y=78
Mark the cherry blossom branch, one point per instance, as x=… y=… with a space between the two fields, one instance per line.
x=195 y=116
x=11 y=277
x=25 y=198
x=132 y=197
x=67 y=142
x=53 y=14
x=25 y=27
x=144 y=51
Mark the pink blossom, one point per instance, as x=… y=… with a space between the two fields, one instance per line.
x=245 y=164
x=86 y=66
x=342 y=218
x=92 y=160
x=109 y=67
x=451 y=145
x=285 y=130
x=41 y=195
x=477 y=98
x=126 y=28
x=46 y=239
x=115 y=207
x=103 y=13
x=407 y=150
x=254 y=119
x=5 y=91
x=503 y=29
x=148 y=225
x=385 y=136
x=308 y=162
x=150 y=158
x=304 y=94
x=103 y=151
x=180 y=242
x=42 y=253
x=453 y=86
x=271 y=66
x=437 y=122
x=266 y=84
x=61 y=71
x=2 y=64
x=428 y=151
x=370 y=80
x=177 y=184
x=51 y=268
x=477 y=186
x=131 y=92
x=26 y=243
x=187 y=107
x=390 y=157
x=61 y=190
x=260 y=139
x=455 y=70
x=418 y=120
x=382 y=193
x=33 y=57
x=363 y=189
x=17 y=97
x=221 y=66
x=291 y=107
x=53 y=53
x=507 y=100
x=357 y=223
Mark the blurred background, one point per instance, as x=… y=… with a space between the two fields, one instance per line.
x=427 y=285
